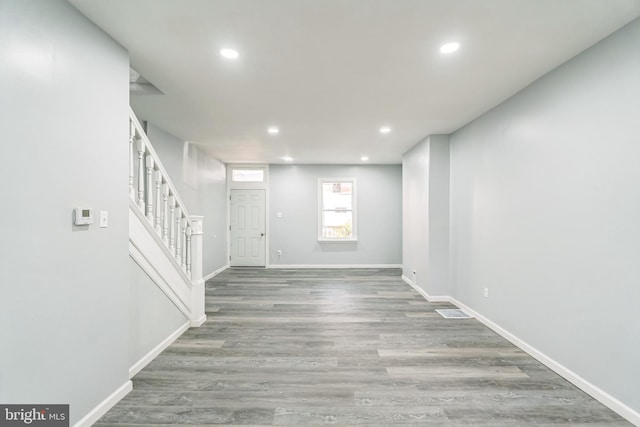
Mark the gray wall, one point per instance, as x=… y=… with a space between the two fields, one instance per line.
x=293 y=190
x=201 y=183
x=545 y=212
x=64 y=309
x=438 y=277
x=152 y=314
x=425 y=212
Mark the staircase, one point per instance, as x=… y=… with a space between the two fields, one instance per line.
x=164 y=239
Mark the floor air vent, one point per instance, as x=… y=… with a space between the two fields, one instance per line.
x=453 y=313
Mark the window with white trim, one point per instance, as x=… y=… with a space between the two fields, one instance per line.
x=247 y=175
x=337 y=209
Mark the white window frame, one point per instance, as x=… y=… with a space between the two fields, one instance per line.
x=231 y=184
x=354 y=210
x=260 y=171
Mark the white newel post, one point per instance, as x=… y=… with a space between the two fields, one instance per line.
x=198 y=315
x=160 y=228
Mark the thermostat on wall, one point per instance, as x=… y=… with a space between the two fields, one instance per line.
x=82 y=216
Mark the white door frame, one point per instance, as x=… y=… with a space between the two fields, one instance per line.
x=235 y=185
x=248 y=228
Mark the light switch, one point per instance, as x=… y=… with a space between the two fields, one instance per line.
x=104 y=219
x=279 y=215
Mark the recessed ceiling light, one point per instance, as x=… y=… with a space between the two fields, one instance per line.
x=229 y=53
x=273 y=130
x=364 y=158
x=287 y=159
x=449 y=47
x=385 y=129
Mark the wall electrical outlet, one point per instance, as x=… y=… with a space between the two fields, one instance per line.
x=486 y=292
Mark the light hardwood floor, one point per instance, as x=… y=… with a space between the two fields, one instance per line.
x=343 y=348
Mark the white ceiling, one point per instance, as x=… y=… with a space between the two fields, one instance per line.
x=330 y=73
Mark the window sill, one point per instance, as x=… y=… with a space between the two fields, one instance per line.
x=337 y=240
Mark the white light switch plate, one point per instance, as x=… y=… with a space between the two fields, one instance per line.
x=104 y=219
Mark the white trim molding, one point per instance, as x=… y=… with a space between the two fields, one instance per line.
x=354 y=209
x=147 y=358
x=198 y=322
x=592 y=390
x=253 y=185
x=198 y=314
x=103 y=407
x=215 y=273
x=425 y=295
x=233 y=185
x=328 y=266
x=147 y=250
x=156 y=277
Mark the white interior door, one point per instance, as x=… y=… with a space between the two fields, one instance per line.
x=247 y=234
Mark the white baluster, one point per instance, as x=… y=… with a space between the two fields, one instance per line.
x=158 y=206
x=165 y=214
x=149 y=210
x=172 y=224
x=179 y=235
x=132 y=137
x=140 y=147
x=183 y=237
x=188 y=246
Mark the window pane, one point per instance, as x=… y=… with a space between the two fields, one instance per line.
x=337 y=204
x=337 y=224
x=337 y=195
x=247 y=175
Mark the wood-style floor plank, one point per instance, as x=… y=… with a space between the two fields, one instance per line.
x=344 y=347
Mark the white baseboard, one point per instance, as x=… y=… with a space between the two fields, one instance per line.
x=146 y=359
x=103 y=407
x=215 y=273
x=603 y=397
x=407 y=281
x=199 y=322
x=584 y=385
x=322 y=266
x=424 y=294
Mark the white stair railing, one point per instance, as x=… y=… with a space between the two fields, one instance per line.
x=156 y=197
